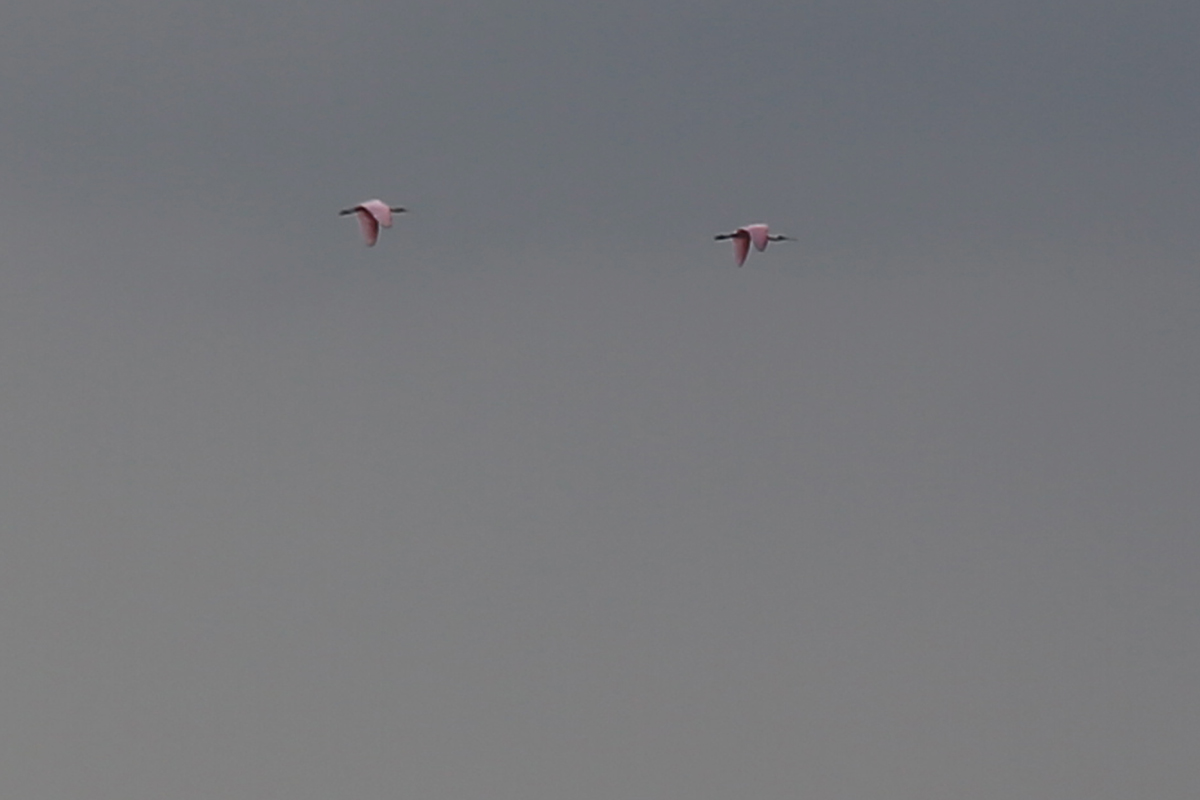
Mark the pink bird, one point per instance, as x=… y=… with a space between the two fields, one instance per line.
x=371 y=215
x=746 y=234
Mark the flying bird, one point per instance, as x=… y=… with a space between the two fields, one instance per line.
x=743 y=236
x=371 y=215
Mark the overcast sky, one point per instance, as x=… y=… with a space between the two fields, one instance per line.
x=542 y=498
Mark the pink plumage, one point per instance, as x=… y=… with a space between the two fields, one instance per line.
x=741 y=247
x=371 y=215
x=380 y=211
x=369 y=225
x=758 y=234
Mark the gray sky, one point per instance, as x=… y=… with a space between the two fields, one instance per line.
x=541 y=497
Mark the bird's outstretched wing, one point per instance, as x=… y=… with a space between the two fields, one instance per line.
x=741 y=247
x=369 y=225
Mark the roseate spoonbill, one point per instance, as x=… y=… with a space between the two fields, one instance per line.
x=371 y=215
x=746 y=234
